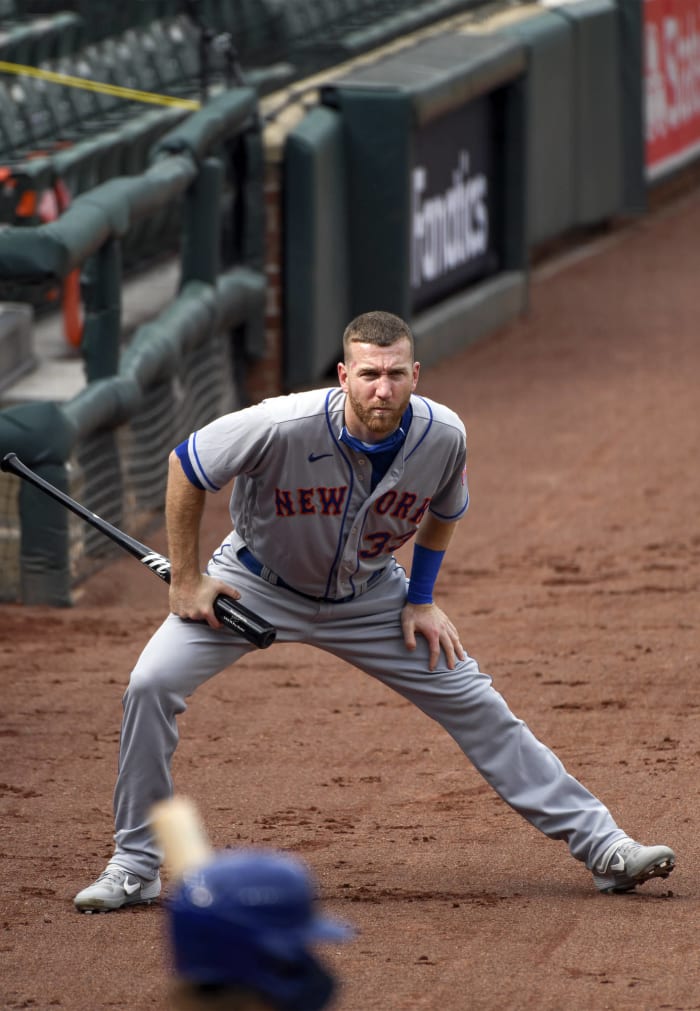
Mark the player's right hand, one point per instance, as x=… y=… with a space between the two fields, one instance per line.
x=431 y=622
x=194 y=599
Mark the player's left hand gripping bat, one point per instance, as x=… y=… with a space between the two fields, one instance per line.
x=230 y=612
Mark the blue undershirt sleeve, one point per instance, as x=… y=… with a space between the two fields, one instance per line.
x=183 y=456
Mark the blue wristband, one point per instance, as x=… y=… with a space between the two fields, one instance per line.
x=424 y=572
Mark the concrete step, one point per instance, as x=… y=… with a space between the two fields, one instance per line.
x=55 y=371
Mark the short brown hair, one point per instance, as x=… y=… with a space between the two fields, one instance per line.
x=377 y=327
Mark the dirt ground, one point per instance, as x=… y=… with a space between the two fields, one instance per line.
x=575 y=582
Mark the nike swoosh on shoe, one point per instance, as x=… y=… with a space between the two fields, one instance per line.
x=130 y=887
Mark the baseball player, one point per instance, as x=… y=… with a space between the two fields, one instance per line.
x=328 y=485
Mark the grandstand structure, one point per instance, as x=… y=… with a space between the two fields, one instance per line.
x=87 y=88
x=185 y=212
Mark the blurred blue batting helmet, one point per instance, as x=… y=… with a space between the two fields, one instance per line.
x=248 y=918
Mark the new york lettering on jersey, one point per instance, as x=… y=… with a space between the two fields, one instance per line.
x=322 y=501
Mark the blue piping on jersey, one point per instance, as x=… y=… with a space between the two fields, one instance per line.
x=183 y=454
x=357 y=555
x=406 y=424
x=425 y=433
x=217 y=554
x=328 y=420
x=349 y=496
x=442 y=516
x=212 y=486
x=450 y=516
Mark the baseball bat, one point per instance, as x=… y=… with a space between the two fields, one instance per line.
x=230 y=613
x=181 y=835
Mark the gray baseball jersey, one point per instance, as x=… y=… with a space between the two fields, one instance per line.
x=302 y=501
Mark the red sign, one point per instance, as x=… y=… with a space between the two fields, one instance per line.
x=672 y=83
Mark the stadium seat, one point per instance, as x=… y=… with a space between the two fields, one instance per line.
x=323 y=32
x=30 y=42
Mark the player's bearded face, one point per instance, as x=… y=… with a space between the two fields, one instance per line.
x=378 y=383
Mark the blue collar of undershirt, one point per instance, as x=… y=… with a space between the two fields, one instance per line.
x=381 y=453
x=389 y=445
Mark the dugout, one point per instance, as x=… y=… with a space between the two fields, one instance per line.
x=405 y=190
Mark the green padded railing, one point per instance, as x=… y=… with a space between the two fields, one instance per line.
x=123 y=383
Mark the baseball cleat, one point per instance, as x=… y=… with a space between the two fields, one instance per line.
x=628 y=864
x=115 y=888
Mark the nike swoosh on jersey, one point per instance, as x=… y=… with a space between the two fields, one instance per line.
x=313 y=457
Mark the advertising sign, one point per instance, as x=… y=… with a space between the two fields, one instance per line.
x=672 y=84
x=453 y=199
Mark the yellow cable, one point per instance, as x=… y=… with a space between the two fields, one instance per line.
x=106 y=89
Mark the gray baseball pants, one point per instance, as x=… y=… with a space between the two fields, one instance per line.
x=365 y=632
